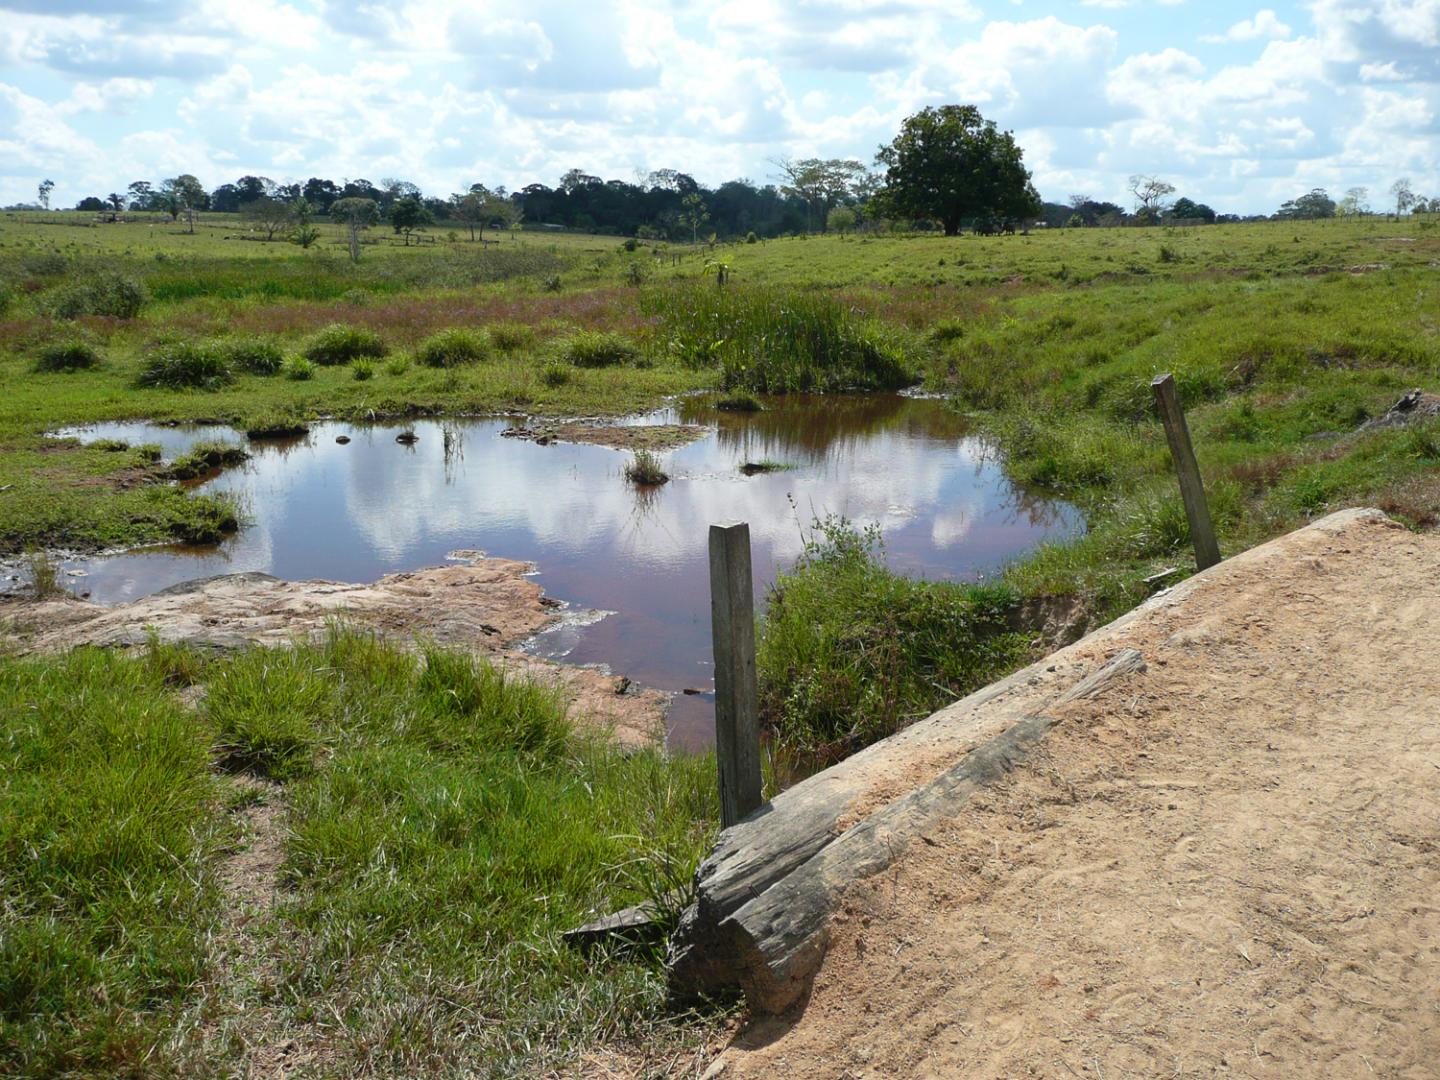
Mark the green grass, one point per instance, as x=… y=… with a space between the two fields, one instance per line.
x=339 y=344
x=67 y=356
x=646 y=469
x=185 y=365
x=850 y=652
x=445 y=825
x=454 y=347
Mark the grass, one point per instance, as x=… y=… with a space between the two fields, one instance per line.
x=452 y=348
x=185 y=365
x=339 y=344
x=645 y=468
x=67 y=356
x=594 y=349
x=445 y=825
x=206 y=457
x=850 y=652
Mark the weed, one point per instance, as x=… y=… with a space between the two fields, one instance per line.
x=341 y=344
x=550 y=283
x=252 y=354
x=453 y=347
x=298 y=369
x=644 y=468
x=509 y=337
x=556 y=375
x=178 y=365
x=397 y=367
x=361 y=370
x=595 y=349
x=44 y=573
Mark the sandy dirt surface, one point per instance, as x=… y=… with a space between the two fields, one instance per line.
x=615 y=436
x=482 y=604
x=1228 y=865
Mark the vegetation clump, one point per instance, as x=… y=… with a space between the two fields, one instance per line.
x=275 y=426
x=252 y=354
x=67 y=356
x=341 y=344
x=597 y=349
x=114 y=296
x=453 y=348
x=850 y=652
x=185 y=365
x=298 y=369
x=644 y=468
x=205 y=458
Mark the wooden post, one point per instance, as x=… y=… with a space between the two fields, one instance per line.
x=732 y=625
x=1192 y=490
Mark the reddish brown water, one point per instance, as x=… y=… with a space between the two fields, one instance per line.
x=356 y=511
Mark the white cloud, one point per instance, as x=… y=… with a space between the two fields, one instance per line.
x=1265 y=24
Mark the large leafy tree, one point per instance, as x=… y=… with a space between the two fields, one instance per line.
x=952 y=165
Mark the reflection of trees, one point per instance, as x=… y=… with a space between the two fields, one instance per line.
x=804 y=428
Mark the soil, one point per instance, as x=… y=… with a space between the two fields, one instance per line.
x=634 y=437
x=485 y=605
x=1225 y=865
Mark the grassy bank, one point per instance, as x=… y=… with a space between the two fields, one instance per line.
x=440 y=826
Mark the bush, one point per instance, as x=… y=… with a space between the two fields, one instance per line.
x=397 y=367
x=644 y=468
x=751 y=238
x=341 y=344
x=555 y=375
x=257 y=355
x=453 y=347
x=184 y=365
x=596 y=349
x=511 y=337
x=67 y=356
x=299 y=369
x=111 y=295
x=630 y=244
x=850 y=652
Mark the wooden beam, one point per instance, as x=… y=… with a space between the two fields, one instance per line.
x=737 y=713
x=1192 y=489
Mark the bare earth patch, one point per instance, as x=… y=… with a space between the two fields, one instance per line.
x=485 y=605
x=641 y=437
x=1225 y=865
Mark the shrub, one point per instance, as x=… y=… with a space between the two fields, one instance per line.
x=644 y=468
x=630 y=244
x=511 y=336
x=751 y=238
x=596 y=349
x=182 y=365
x=341 y=344
x=257 y=355
x=299 y=369
x=550 y=283
x=362 y=370
x=67 y=356
x=398 y=366
x=111 y=295
x=555 y=375
x=453 y=347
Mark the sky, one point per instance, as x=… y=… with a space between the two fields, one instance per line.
x=1239 y=106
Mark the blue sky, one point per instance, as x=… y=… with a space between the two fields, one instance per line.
x=1238 y=105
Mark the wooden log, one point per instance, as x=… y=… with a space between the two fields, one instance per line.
x=1192 y=489
x=737 y=712
x=732 y=935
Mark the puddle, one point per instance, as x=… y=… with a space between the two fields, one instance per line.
x=356 y=511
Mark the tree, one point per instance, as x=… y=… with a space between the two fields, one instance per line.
x=354 y=214
x=1314 y=205
x=320 y=193
x=694 y=213
x=951 y=164
x=92 y=204
x=1189 y=210
x=1404 y=195
x=1151 y=195
x=117 y=201
x=842 y=219
x=304 y=233
x=46 y=187
x=480 y=207
x=142 y=195
x=267 y=214
x=1355 y=202
x=182 y=195
x=250 y=188
x=821 y=183
x=409 y=214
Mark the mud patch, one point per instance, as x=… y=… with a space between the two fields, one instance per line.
x=638 y=437
x=1413 y=407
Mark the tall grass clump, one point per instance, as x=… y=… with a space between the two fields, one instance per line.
x=453 y=347
x=112 y=295
x=851 y=652
x=253 y=354
x=341 y=344
x=67 y=356
x=185 y=365
x=775 y=340
x=206 y=457
x=109 y=832
x=644 y=468
x=597 y=349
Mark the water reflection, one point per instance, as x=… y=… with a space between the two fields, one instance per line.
x=355 y=511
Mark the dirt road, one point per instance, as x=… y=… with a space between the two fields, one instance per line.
x=1227 y=865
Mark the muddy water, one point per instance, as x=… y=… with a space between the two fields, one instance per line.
x=356 y=511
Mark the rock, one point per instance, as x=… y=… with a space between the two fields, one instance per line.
x=342 y=439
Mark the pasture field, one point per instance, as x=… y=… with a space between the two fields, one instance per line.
x=425 y=882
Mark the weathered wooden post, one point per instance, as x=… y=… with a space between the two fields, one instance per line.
x=732 y=625
x=1192 y=490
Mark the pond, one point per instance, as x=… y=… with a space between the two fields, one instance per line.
x=630 y=562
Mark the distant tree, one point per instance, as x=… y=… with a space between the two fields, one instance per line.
x=1313 y=205
x=822 y=183
x=1151 y=195
x=304 y=233
x=1355 y=202
x=393 y=190
x=250 y=188
x=408 y=214
x=1403 y=194
x=320 y=193
x=183 y=195
x=46 y=187
x=142 y=195
x=268 y=215
x=1189 y=210
x=694 y=213
x=225 y=199
x=842 y=220
x=953 y=165
x=92 y=204
x=354 y=215
x=117 y=201
x=1075 y=221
